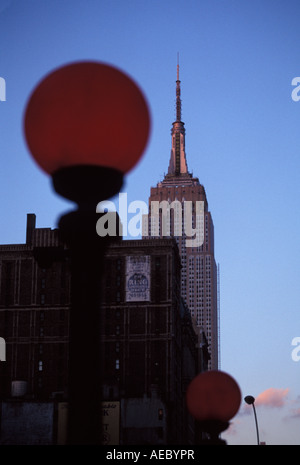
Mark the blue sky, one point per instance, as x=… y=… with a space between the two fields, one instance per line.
x=237 y=62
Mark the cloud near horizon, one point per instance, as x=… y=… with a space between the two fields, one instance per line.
x=272 y=397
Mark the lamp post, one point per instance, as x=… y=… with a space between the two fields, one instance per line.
x=86 y=124
x=213 y=398
x=250 y=401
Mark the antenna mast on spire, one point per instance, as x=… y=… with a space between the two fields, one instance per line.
x=178 y=100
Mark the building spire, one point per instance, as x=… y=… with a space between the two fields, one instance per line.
x=178 y=100
x=178 y=164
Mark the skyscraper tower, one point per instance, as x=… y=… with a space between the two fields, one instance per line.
x=176 y=194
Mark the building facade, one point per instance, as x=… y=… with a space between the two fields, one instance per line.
x=178 y=207
x=34 y=314
x=148 y=342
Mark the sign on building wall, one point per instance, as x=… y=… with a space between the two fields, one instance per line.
x=137 y=278
x=62 y=423
x=111 y=423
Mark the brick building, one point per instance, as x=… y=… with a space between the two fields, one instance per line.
x=149 y=345
x=34 y=311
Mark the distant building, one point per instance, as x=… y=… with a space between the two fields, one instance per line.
x=149 y=345
x=199 y=276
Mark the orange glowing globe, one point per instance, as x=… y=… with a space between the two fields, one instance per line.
x=87 y=113
x=213 y=395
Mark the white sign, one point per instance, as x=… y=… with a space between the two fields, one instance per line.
x=137 y=278
x=2 y=350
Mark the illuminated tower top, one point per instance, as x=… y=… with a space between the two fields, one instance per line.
x=178 y=169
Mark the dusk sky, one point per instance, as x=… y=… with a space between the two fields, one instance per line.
x=237 y=62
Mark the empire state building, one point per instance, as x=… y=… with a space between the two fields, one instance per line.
x=199 y=274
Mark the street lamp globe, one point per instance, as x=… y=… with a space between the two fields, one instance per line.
x=83 y=121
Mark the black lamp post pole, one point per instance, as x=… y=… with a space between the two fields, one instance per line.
x=209 y=432
x=250 y=401
x=257 y=433
x=84 y=390
x=86 y=254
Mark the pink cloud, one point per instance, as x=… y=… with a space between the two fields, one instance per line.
x=272 y=397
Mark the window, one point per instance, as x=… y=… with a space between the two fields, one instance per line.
x=160 y=414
